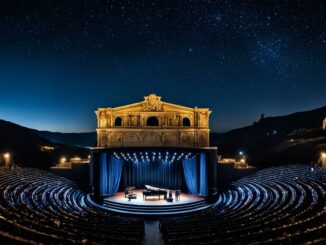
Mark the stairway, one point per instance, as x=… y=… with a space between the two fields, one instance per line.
x=155 y=210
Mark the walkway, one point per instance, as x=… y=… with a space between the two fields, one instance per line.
x=152 y=233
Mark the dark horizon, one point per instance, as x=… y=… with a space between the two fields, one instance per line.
x=241 y=126
x=62 y=60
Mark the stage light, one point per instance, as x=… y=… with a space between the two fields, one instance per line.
x=6 y=155
x=153 y=156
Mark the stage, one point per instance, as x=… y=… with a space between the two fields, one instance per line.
x=152 y=206
x=152 y=200
x=192 y=170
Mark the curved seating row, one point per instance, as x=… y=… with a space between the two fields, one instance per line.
x=276 y=205
x=38 y=207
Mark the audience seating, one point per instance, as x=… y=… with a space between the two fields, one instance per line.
x=37 y=207
x=280 y=205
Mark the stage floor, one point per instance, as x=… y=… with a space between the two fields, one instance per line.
x=153 y=200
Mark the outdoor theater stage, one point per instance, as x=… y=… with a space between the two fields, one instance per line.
x=192 y=170
x=153 y=205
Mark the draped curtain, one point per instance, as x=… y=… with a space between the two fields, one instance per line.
x=114 y=172
x=110 y=174
x=164 y=175
x=103 y=174
x=203 y=190
x=191 y=175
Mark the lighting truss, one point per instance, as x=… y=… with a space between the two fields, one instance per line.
x=165 y=157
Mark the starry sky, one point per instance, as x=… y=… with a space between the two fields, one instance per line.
x=60 y=60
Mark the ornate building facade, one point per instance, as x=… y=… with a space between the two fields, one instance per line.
x=152 y=122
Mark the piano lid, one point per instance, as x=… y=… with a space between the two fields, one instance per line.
x=153 y=188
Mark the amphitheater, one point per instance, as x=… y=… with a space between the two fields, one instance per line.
x=279 y=205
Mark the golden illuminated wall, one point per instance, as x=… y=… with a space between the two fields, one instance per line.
x=324 y=124
x=152 y=122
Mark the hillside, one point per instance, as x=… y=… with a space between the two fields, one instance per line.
x=297 y=137
x=25 y=146
x=293 y=138
x=76 y=139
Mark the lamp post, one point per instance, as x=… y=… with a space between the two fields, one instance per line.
x=63 y=160
x=323 y=159
x=7 y=158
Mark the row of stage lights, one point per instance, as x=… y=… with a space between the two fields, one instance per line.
x=153 y=157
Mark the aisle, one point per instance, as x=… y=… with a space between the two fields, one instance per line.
x=152 y=233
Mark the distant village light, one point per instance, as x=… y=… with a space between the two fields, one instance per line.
x=323 y=155
x=6 y=155
x=63 y=160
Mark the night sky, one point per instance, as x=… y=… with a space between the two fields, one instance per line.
x=60 y=60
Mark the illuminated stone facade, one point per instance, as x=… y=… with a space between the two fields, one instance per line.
x=324 y=124
x=153 y=122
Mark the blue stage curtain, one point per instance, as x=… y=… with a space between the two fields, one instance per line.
x=103 y=174
x=114 y=172
x=167 y=175
x=203 y=189
x=191 y=175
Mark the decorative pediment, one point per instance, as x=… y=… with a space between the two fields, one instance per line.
x=152 y=122
x=152 y=103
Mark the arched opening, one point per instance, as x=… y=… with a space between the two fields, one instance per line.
x=152 y=121
x=186 y=122
x=118 y=121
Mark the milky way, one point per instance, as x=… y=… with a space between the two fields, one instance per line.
x=60 y=60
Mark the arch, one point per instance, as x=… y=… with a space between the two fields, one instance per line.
x=118 y=121
x=152 y=121
x=186 y=122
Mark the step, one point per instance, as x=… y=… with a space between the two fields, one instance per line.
x=136 y=206
x=154 y=208
x=151 y=211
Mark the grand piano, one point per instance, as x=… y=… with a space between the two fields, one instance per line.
x=154 y=191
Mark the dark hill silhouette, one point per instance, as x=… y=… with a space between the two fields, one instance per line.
x=296 y=137
x=25 y=146
x=293 y=138
x=87 y=139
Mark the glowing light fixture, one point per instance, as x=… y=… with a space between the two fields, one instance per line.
x=323 y=155
x=6 y=155
x=152 y=156
x=63 y=160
